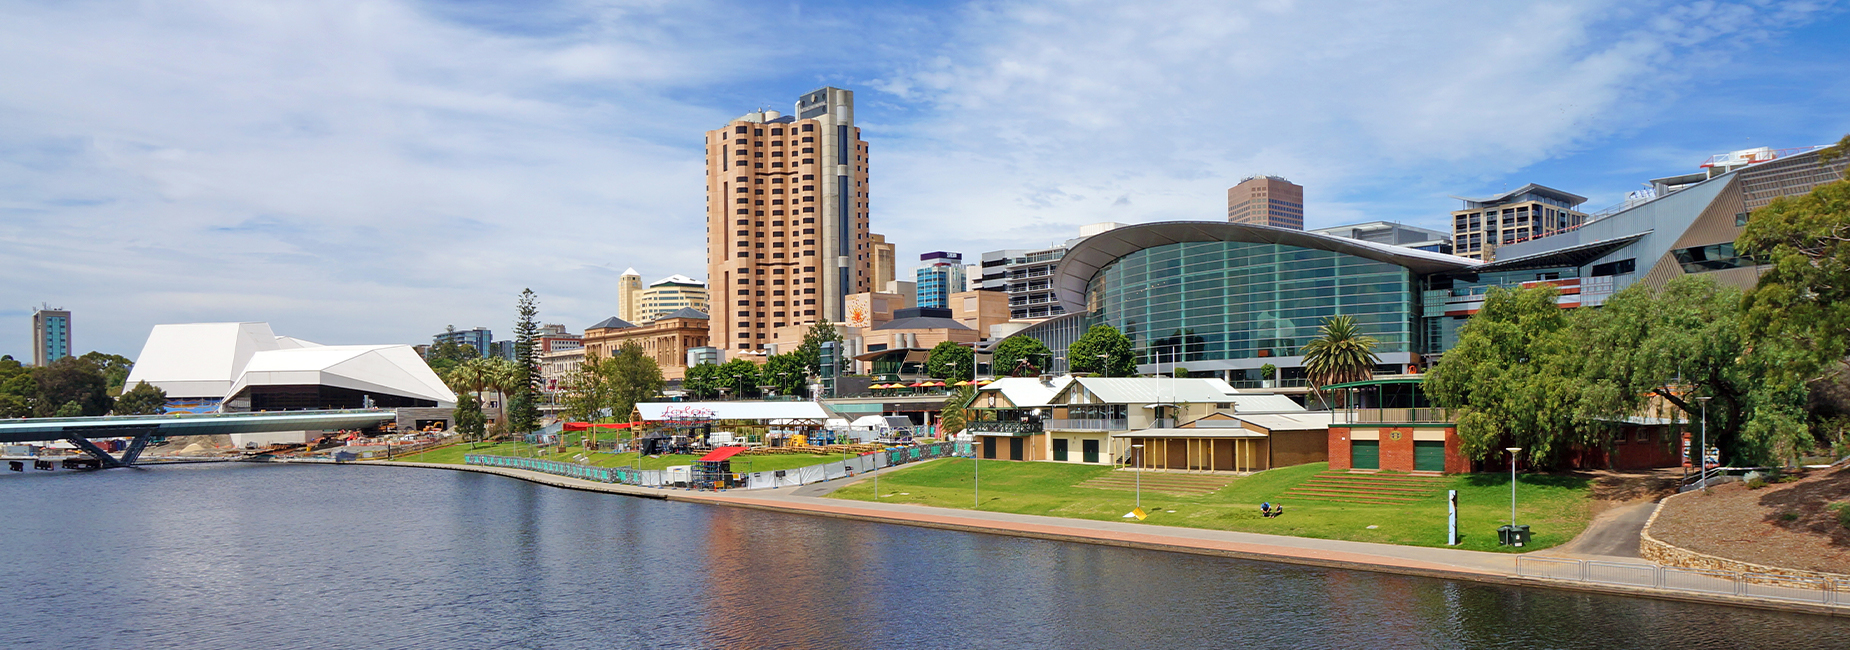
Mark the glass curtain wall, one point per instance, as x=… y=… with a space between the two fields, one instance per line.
x=1207 y=301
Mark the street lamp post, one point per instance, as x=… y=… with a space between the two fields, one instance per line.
x=1513 y=451
x=1137 y=452
x=976 y=471
x=741 y=381
x=1702 y=454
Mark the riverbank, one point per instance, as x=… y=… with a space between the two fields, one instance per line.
x=1443 y=563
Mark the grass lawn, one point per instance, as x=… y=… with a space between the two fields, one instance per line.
x=1555 y=507
x=453 y=454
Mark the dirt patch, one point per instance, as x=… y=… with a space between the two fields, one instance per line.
x=1784 y=525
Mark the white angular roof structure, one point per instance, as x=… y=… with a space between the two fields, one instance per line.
x=383 y=369
x=218 y=360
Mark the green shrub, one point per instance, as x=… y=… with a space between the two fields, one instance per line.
x=1756 y=484
x=1842 y=509
x=1788 y=516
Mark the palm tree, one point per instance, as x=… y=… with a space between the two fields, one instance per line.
x=1339 y=354
x=504 y=377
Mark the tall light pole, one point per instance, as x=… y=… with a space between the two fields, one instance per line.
x=1702 y=454
x=1137 y=452
x=740 y=379
x=1513 y=451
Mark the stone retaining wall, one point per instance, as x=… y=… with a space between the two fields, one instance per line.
x=1671 y=555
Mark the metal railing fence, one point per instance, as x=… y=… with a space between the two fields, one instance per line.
x=1823 y=591
x=655 y=478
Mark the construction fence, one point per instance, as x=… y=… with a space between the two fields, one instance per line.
x=656 y=478
x=1822 y=591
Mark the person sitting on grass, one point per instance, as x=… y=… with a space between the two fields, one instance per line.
x=1265 y=509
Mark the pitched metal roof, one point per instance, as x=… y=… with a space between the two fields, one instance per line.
x=611 y=323
x=1027 y=392
x=684 y=312
x=1149 y=390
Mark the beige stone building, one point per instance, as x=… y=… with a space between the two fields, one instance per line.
x=1516 y=216
x=666 y=339
x=629 y=295
x=980 y=310
x=1266 y=201
x=886 y=262
x=787 y=234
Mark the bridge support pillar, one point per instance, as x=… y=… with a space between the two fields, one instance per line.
x=135 y=448
x=91 y=448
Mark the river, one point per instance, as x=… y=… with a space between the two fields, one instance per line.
x=260 y=556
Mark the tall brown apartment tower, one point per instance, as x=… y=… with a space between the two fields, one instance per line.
x=1266 y=201
x=787 y=237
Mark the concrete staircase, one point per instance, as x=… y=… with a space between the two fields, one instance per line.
x=1185 y=485
x=1346 y=487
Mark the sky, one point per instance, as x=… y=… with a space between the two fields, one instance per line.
x=371 y=171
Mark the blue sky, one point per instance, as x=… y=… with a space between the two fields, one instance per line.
x=371 y=171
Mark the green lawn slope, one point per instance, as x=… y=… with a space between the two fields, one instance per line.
x=1557 y=508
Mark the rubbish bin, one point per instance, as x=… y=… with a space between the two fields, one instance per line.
x=1503 y=535
x=1520 y=536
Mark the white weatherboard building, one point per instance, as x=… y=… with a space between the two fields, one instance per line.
x=235 y=367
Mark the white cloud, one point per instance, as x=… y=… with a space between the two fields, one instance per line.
x=1041 y=117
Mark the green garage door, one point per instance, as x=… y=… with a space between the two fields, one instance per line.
x=1429 y=455
x=1365 y=454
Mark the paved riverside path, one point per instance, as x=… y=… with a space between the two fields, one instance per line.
x=1415 y=560
x=1611 y=536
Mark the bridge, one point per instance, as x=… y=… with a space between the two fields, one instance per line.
x=142 y=428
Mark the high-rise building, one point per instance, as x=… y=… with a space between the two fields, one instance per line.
x=1266 y=201
x=629 y=294
x=1027 y=275
x=941 y=276
x=787 y=237
x=886 y=262
x=1518 y=215
x=480 y=338
x=51 y=335
x=669 y=295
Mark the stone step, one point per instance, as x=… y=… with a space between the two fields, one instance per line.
x=1347 y=494
x=1380 y=488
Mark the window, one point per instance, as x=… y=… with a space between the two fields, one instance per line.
x=738 y=129
x=1740 y=219
x=1717 y=257
x=1620 y=267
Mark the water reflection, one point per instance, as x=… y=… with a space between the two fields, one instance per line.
x=242 y=555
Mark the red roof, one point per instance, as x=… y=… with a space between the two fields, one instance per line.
x=722 y=453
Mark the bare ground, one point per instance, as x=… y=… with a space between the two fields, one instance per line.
x=1784 y=525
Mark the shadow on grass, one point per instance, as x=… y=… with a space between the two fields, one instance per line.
x=1568 y=481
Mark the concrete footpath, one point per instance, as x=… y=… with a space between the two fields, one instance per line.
x=1422 y=561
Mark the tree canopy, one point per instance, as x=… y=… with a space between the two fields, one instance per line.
x=523 y=409
x=1503 y=380
x=787 y=372
x=1339 y=353
x=810 y=350
x=634 y=377
x=143 y=399
x=1013 y=350
x=1102 y=350
x=948 y=360
x=1803 y=297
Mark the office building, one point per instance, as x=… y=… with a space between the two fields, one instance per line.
x=1393 y=234
x=480 y=338
x=629 y=295
x=51 y=335
x=1518 y=215
x=886 y=263
x=1266 y=201
x=787 y=233
x=1024 y=274
x=941 y=276
x=669 y=295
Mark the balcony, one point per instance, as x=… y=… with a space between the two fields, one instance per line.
x=1422 y=415
x=1102 y=424
x=1002 y=427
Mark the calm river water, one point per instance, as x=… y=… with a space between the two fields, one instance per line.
x=265 y=556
